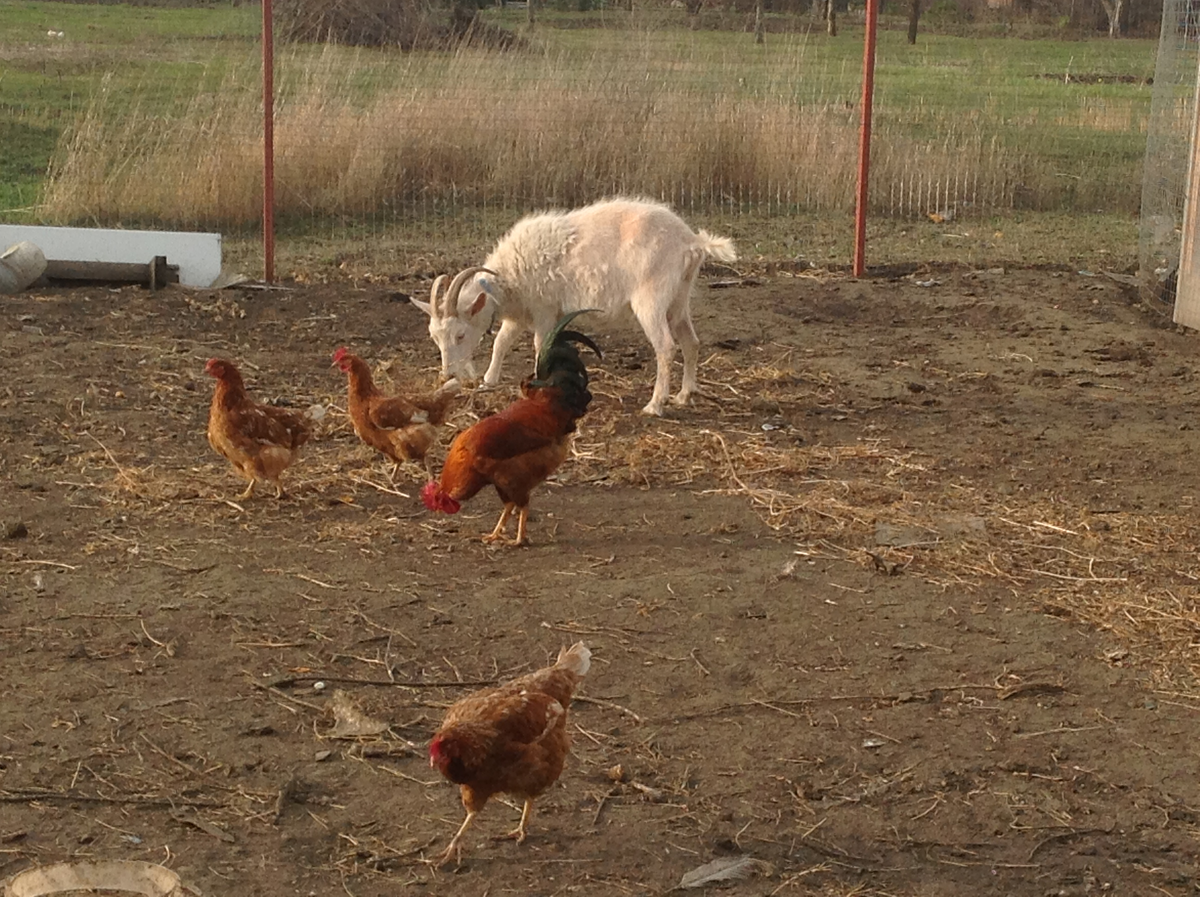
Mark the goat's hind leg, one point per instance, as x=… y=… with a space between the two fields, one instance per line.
x=664 y=350
x=685 y=335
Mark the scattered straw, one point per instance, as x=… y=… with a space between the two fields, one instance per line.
x=1133 y=575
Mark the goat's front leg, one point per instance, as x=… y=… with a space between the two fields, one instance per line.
x=505 y=337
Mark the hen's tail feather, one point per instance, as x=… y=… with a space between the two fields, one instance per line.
x=435 y=405
x=577 y=659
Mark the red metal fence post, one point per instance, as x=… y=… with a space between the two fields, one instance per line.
x=864 y=141
x=268 y=50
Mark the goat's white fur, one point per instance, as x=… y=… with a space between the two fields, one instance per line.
x=614 y=254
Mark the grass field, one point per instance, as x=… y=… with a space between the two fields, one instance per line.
x=146 y=116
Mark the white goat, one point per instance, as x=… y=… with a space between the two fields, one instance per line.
x=615 y=254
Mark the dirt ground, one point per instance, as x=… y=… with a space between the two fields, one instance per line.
x=905 y=604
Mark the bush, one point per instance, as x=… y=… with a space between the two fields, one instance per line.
x=409 y=24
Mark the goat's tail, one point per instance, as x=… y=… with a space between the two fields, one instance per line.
x=719 y=248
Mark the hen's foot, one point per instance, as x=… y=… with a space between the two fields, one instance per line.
x=518 y=834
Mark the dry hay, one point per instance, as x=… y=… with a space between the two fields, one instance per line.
x=1133 y=575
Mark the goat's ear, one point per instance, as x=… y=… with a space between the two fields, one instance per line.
x=478 y=304
x=424 y=306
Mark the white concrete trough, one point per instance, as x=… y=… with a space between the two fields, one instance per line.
x=196 y=255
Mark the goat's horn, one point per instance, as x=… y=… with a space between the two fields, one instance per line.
x=434 y=312
x=459 y=281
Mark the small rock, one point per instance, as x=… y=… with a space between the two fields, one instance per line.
x=16 y=530
x=322 y=755
x=774 y=423
x=898 y=535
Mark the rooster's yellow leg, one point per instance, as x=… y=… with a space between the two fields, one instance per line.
x=498 y=533
x=522 y=517
x=249 y=490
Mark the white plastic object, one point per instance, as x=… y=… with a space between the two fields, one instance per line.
x=131 y=876
x=20 y=266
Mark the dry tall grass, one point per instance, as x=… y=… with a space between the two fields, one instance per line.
x=479 y=128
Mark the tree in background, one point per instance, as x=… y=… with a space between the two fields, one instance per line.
x=1113 y=10
x=409 y=24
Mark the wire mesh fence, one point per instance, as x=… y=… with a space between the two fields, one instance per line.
x=1172 y=112
x=444 y=144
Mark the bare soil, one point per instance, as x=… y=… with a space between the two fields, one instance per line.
x=904 y=605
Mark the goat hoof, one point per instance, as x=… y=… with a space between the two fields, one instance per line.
x=653 y=410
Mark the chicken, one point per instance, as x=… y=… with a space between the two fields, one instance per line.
x=517 y=448
x=400 y=428
x=512 y=739
x=260 y=441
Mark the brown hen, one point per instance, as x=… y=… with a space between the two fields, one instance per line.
x=401 y=428
x=512 y=739
x=260 y=441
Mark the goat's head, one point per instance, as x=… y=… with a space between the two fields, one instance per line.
x=459 y=317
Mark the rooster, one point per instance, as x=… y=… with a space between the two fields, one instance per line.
x=260 y=441
x=520 y=446
x=400 y=428
x=512 y=739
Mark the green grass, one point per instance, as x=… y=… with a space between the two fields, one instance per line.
x=144 y=55
x=150 y=117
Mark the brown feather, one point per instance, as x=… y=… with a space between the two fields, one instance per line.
x=399 y=428
x=260 y=441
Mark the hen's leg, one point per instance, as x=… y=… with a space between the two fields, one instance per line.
x=497 y=534
x=455 y=848
x=519 y=833
x=522 y=516
x=248 y=491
